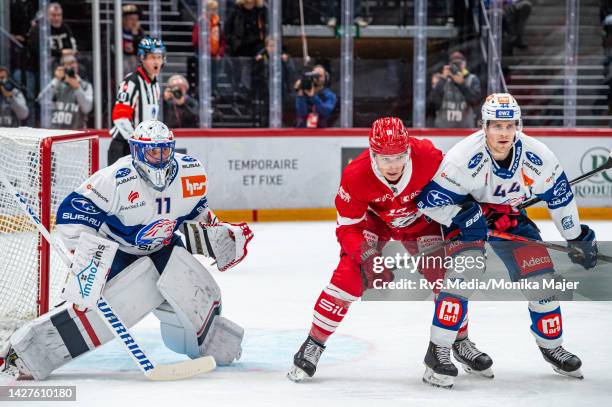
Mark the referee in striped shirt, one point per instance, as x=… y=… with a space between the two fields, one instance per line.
x=137 y=97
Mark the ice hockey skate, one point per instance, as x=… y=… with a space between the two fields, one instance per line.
x=439 y=371
x=305 y=360
x=563 y=362
x=472 y=359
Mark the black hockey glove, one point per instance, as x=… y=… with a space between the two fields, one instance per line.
x=585 y=248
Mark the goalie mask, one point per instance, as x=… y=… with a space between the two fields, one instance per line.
x=152 y=148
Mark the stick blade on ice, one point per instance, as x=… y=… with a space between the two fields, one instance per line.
x=182 y=370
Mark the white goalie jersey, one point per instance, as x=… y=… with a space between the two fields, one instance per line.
x=117 y=203
x=469 y=169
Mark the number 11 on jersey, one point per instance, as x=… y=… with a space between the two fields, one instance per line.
x=160 y=205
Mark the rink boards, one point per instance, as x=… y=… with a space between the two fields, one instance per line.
x=285 y=174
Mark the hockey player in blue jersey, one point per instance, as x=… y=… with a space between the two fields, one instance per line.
x=140 y=202
x=477 y=186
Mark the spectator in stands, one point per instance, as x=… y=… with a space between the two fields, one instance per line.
x=314 y=102
x=13 y=107
x=216 y=37
x=456 y=95
x=515 y=15
x=22 y=21
x=332 y=11
x=132 y=34
x=180 y=109
x=245 y=31
x=261 y=75
x=72 y=96
x=62 y=40
x=446 y=10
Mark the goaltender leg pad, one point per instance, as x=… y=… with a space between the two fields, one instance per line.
x=63 y=334
x=190 y=321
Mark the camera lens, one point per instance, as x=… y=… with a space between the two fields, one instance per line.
x=177 y=93
x=7 y=85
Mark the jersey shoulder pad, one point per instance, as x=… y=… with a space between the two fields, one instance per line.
x=189 y=165
x=467 y=153
x=358 y=169
x=536 y=151
x=100 y=188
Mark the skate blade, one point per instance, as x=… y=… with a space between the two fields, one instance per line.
x=577 y=374
x=488 y=373
x=437 y=380
x=296 y=375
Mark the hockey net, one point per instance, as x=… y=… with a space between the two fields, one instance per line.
x=44 y=166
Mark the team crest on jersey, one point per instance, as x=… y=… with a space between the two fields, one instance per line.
x=84 y=205
x=188 y=159
x=403 y=221
x=437 y=198
x=122 y=172
x=474 y=161
x=156 y=232
x=533 y=158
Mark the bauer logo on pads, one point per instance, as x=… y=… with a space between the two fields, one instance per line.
x=194 y=185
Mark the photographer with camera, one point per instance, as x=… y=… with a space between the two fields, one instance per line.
x=72 y=96
x=456 y=95
x=180 y=109
x=13 y=107
x=315 y=102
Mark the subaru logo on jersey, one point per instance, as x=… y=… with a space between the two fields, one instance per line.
x=122 y=172
x=504 y=113
x=84 y=205
x=474 y=161
x=437 y=198
x=157 y=232
x=188 y=159
x=533 y=158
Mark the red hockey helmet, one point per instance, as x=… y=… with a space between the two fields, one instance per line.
x=388 y=136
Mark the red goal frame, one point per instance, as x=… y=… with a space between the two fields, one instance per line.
x=44 y=192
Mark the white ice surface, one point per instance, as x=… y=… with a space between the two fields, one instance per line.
x=375 y=357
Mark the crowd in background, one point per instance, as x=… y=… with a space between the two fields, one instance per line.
x=241 y=49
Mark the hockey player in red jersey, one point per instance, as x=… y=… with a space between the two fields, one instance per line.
x=376 y=202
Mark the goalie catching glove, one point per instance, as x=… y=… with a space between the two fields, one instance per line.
x=225 y=242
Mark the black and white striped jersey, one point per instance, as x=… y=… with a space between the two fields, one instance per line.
x=137 y=101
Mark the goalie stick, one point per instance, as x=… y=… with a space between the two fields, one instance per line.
x=151 y=369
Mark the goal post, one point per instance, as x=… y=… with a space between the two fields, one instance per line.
x=44 y=166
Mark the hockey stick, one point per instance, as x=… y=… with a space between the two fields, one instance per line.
x=603 y=167
x=151 y=370
x=549 y=245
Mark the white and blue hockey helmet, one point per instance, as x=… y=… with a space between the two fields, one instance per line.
x=501 y=106
x=152 y=147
